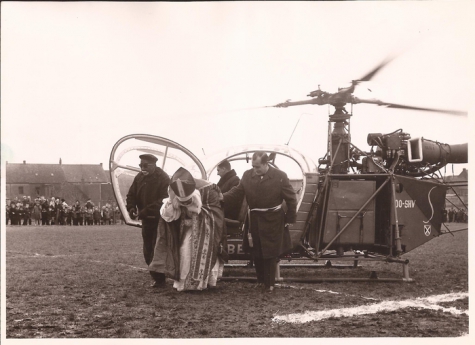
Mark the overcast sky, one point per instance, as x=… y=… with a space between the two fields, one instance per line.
x=76 y=77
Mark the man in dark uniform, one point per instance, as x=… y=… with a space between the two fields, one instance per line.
x=144 y=200
x=228 y=180
x=265 y=188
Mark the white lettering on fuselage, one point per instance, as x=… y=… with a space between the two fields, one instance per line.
x=405 y=203
x=232 y=249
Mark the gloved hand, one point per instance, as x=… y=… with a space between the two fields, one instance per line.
x=133 y=213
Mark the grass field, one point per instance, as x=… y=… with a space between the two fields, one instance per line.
x=92 y=282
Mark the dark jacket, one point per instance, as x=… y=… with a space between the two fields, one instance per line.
x=147 y=193
x=267 y=228
x=226 y=182
x=45 y=210
x=96 y=215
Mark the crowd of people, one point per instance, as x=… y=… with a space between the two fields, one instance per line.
x=456 y=216
x=56 y=211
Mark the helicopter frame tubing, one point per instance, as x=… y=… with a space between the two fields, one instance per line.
x=339 y=139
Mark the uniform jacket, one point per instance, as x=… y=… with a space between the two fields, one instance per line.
x=147 y=193
x=226 y=182
x=267 y=228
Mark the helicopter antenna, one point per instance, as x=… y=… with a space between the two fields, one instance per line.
x=294 y=129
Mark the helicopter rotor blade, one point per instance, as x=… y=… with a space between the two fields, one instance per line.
x=367 y=77
x=289 y=103
x=373 y=72
x=409 y=107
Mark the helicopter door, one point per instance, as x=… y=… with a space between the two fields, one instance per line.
x=124 y=164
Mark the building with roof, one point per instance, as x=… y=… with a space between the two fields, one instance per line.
x=68 y=181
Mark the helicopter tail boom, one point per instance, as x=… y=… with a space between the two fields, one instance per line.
x=427 y=151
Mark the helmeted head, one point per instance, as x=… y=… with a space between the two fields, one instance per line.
x=183 y=185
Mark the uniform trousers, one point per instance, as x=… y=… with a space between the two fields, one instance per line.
x=149 y=236
x=265 y=270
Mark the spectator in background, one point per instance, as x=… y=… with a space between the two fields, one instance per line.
x=464 y=216
x=106 y=215
x=44 y=211
x=96 y=216
x=7 y=213
x=52 y=210
x=64 y=211
x=58 y=207
x=76 y=212
x=113 y=215
x=88 y=216
x=36 y=212
x=82 y=211
x=68 y=210
x=451 y=215
x=118 y=215
x=21 y=213
x=26 y=210
x=13 y=214
x=56 y=211
x=89 y=204
x=25 y=219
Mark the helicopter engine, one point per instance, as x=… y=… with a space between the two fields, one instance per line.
x=413 y=157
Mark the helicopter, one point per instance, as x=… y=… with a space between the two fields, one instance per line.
x=353 y=205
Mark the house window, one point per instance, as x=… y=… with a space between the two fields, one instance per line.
x=38 y=191
x=20 y=190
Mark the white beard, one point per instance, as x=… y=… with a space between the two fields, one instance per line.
x=172 y=208
x=195 y=206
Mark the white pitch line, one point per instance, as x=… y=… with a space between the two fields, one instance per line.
x=421 y=302
x=326 y=291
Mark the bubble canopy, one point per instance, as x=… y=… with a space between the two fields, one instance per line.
x=124 y=162
x=305 y=164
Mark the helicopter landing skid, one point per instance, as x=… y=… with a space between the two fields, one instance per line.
x=373 y=277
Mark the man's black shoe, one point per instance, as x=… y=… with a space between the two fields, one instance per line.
x=159 y=285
